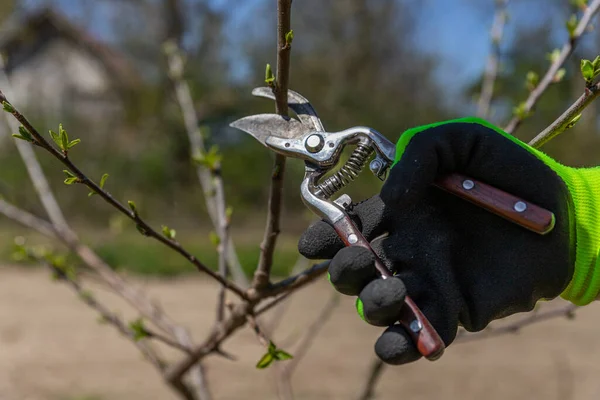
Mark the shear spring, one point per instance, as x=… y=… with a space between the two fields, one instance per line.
x=348 y=172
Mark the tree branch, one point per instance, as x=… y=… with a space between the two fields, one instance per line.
x=211 y=181
x=491 y=70
x=548 y=78
x=142 y=225
x=263 y=271
x=562 y=123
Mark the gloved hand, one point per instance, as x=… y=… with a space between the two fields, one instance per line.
x=463 y=265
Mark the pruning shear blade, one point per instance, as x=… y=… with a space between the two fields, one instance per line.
x=263 y=126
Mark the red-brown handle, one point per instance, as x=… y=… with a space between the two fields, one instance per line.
x=425 y=337
x=515 y=209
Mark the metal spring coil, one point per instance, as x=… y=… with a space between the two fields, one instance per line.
x=348 y=172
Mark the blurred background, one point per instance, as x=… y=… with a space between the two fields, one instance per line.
x=98 y=67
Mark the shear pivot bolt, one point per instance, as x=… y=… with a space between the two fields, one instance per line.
x=352 y=238
x=314 y=143
x=468 y=184
x=416 y=326
x=520 y=206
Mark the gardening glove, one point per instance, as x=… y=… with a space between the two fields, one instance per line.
x=463 y=265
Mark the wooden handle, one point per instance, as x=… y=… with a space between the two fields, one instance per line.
x=519 y=211
x=427 y=340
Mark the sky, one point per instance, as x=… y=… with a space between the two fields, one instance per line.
x=456 y=31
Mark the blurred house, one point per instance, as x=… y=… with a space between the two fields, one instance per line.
x=58 y=71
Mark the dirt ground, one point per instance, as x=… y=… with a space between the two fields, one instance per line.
x=52 y=348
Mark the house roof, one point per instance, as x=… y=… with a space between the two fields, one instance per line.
x=20 y=27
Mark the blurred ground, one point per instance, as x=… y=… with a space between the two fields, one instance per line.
x=51 y=347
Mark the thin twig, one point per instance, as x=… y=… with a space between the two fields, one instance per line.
x=550 y=75
x=263 y=271
x=211 y=181
x=104 y=312
x=142 y=225
x=491 y=69
x=368 y=392
x=312 y=332
x=299 y=280
x=562 y=123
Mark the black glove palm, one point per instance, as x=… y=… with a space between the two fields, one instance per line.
x=461 y=264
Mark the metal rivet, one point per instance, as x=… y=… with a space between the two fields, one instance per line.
x=352 y=238
x=314 y=143
x=416 y=326
x=287 y=144
x=330 y=144
x=468 y=184
x=520 y=206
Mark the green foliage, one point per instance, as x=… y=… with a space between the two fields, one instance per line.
x=133 y=207
x=520 y=111
x=70 y=179
x=168 y=232
x=6 y=106
x=269 y=77
x=138 y=329
x=531 y=80
x=214 y=238
x=289 y=38
x=582 y=4
x=211 y=159
x=62 y=139
x=572 y=25
x=272 y=354
x=101 y=184
x=23 y=134
x=590 y=70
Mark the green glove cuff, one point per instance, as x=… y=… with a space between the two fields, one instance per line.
x=584 y=187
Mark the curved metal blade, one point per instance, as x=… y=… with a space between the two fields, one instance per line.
x=298 y=103
x=263 y=126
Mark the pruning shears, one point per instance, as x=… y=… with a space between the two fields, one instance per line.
x=306 y=138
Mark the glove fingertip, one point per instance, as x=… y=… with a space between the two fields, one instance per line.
x=319 y=241
x=395 y=347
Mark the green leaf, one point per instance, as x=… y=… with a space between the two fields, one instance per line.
x=73 y=143
x=531 y=80
x=269 y=77
x=228 y=212
x=142 y=230
x=587 y=71
x=103 y=180
x=572 y=25
x=101 y=184
x=582 y=4
x=553 y=57
x=271 y=349
x=214 y=238
x=169 y=233
x=520 y=111
x=8 y=107
x=55 y=137
x=71 y=179
x=23 y=134
x=560 y=74
x=211 y=159
x=64 y=138
x=133 y=207
x=281 y=355
x=289 y=38
x=138 y=329
x=266 y=360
